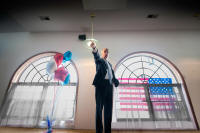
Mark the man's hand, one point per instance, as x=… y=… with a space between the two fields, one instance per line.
x=92 y=45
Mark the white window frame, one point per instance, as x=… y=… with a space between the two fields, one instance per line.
x=39 y=120
x=152 y=122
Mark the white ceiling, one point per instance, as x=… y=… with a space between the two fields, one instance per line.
x=110 y=16
x=104 y=4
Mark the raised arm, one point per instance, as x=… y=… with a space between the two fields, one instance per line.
x=95 y=52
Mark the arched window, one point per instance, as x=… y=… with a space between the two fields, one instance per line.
x=152 y=95
x=29 y=98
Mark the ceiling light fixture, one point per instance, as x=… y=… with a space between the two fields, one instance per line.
x=89 y=41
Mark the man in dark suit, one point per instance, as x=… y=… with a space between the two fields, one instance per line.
x=103 y=82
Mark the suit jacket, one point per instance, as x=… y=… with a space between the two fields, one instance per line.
x=101 y=70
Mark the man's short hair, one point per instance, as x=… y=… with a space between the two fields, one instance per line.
x=104 y=49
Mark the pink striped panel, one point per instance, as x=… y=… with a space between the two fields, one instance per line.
x=133 y=109
x=162 y=99
x=132 y=93
x=160 y=104
x=132 y=88
x=169 y=109
x=131 y=83
x=132 y=98
x=143 y=109
x=133 y=78
x=141 y=103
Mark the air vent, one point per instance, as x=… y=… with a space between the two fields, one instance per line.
x=152 y=16
x=44 y=18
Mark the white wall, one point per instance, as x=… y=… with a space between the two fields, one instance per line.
x=181 y=47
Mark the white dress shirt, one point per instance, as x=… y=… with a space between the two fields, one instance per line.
x=109 y=70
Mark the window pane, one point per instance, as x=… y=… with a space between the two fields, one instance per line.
x=23 y=108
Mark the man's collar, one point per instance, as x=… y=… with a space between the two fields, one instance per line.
x=104 y=59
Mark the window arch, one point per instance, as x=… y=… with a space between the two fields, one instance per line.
x=152 y=94
x=29 y=98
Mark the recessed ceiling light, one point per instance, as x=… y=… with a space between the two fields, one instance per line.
x=44 y=18
x=152 y=16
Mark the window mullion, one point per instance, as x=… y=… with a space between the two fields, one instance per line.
x=149 y=102
x=184 y=103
